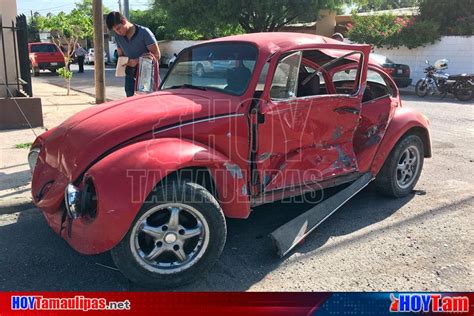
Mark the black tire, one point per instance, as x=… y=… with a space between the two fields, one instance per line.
x=421 y=88
x=464 y=91
x=200 y=70
x=387 y=181
x=194 y=196
x=53 y=71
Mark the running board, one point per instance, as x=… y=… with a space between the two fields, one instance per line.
x=287 y=236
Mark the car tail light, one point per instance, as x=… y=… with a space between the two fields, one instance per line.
x=390 y=71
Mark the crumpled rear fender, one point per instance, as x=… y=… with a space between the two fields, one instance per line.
x=405 y=121
x=124 y=179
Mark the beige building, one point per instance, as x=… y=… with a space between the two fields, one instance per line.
x=8 y=14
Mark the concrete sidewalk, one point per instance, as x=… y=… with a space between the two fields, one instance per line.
x=15 y=175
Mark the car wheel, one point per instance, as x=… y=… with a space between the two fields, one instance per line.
x=175 y=238
x=402 y=169
x=464 y=91
x=200 y=70
x=421 y=88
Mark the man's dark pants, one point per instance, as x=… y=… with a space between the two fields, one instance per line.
x=80 y=61
x=130 y=81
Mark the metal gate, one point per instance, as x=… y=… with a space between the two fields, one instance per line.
x=22 y=80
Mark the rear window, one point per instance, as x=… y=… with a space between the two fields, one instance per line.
x=45 y=48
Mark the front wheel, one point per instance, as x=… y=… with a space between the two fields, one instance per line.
x=464 y=90
x=402 y=169
x=421 y=88
x=175 y=238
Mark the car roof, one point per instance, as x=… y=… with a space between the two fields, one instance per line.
x=41 y=43
x=272 y=41
x=283 y=40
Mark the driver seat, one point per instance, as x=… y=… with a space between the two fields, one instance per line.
x=237 y=79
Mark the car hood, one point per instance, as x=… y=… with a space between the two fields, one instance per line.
x=83 y=138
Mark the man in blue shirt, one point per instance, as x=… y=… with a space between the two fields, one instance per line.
x=133 y=41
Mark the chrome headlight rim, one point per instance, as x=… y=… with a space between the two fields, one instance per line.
x=33 y=158
x=72 y=198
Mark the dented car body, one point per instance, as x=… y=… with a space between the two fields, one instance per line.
x=294 y=113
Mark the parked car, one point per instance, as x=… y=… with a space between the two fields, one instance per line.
x=399 y=72
x=89 y=58
x=153 y=178
x=45 y=56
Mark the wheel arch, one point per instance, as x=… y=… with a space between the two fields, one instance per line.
x=124 y=180
x=405 y=122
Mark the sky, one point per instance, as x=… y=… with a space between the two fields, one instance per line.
x=55 y=6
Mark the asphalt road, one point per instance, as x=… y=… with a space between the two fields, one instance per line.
x=84 y=82
x=418 y=243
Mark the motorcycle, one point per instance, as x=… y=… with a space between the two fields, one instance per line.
x=437 y=81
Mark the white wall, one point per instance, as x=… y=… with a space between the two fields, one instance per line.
x=457 y=49
x=168 y=48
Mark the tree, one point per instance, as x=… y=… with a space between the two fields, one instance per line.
x=376 y=5
x=67 y=29
x=454 y=17
x=207 y=16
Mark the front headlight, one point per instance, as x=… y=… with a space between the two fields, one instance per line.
x=72 y=198
x=32 y=158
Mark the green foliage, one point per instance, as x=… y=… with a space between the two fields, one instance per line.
x=23 y=146
x=454 y=17
x=212 y=18
x=391 y=31
x=65 y=73
x=376 y=5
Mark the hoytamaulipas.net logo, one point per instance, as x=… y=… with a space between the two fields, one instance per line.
x=436 y=303
x=76 y=303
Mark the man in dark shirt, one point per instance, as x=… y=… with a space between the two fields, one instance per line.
x=133 y=41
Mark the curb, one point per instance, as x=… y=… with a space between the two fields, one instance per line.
x=77 y=90
x=16 y=205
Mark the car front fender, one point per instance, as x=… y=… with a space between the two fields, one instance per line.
x=404 y=122
x=124 y=179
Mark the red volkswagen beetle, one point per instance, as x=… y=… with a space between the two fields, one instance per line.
x=153 y=178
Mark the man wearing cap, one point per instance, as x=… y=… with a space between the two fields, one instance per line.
x=133 y=41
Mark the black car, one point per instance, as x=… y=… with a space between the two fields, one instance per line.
x=399 y=72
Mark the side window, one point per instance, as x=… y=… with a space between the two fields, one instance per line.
x=285 y=79
x=262 y=77
x=377 y=86
x=345 y=81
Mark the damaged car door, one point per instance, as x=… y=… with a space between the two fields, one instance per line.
x=305 y=134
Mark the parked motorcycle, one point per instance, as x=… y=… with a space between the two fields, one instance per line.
x=437 y=81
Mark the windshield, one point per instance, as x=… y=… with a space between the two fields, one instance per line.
x=43 y=48
x=225 y=67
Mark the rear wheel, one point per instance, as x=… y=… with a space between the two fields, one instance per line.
x=421 y=88
x=464 y=90
x=402 y=169
x=174 y=241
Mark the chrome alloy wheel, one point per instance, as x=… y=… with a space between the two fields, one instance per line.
x=169 y=238
x=408 y=166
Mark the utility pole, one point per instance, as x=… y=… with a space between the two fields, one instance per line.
x=126 y=8
x=120 y=6
x=99 y=65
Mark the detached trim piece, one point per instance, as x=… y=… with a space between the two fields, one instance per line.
x=287 y=236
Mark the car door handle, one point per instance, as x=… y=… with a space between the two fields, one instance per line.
x=347 y=109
